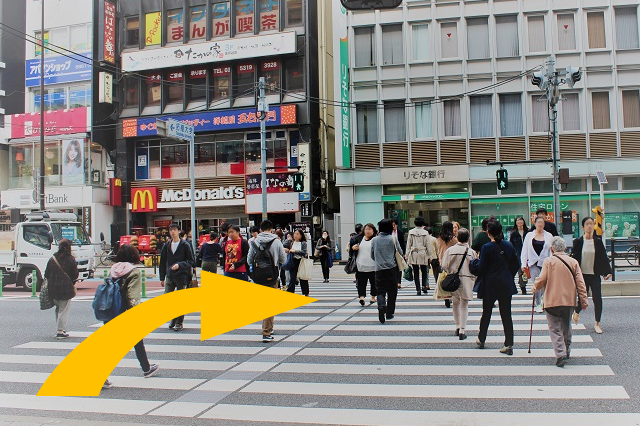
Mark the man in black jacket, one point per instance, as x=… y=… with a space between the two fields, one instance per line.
x=550 y=227
x=176 y=266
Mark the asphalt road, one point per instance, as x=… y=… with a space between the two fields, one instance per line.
x=334 y=363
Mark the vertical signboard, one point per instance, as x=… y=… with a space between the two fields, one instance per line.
x=153 y=28
x=86 y=220
x=304 y=161
x=109 y=33
x=341 y=85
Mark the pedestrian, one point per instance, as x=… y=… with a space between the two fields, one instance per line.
x=324 y=247
x=435 y=262
x=419 y=253
x=266 y=254
x=129 y=278
x=535 y=249
x=236 y=251
x=497 y=267
x=455 y=259
x=176 y=268
x=285 y=276
x=383 y=251
x=550 y=227
x=591 y=254
x=516 y=238
x=254 y=231
x=210 y=253
x=298 y=249
x=399 y=234
x=224 y=227
x=61 y=274
x=446 y=239
x=563 y=283
x=365 y=263
x=352 y=241
x=482 y=238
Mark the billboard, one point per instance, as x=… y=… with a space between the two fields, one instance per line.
x=59 y=69
x=73 y=162
x=341 y=85
x=58 y=122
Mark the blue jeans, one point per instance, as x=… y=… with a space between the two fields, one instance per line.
x=237 y=275
x=535 y=270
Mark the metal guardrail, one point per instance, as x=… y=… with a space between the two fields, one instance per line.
x=626 y=251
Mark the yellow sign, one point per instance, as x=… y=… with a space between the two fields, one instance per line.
x=153 y=28
x=144 y=200
x=84 y=370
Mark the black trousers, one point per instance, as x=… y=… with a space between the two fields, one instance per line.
x=504 y=303
x=363 y=278
x=141 y=354
x=174 y=285
x=416 y=275
x=324 y=261
x=594 y=283
x=387 y=289
x=293 y=279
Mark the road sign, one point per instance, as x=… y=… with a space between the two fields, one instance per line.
x=298 y=182
x=175 y=129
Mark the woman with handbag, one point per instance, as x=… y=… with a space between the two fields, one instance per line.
x=418 y=254
x=385 y=251
x=364 y=262
x=209 y=254
x=456 y=261
x=535 y=249
x=323 y=250
x=516 y=238
x=591 y=254
x=61 y=274
x=446 y=239
x=298 y=251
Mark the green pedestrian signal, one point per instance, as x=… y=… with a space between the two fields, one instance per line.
x=502 y=177
x=298 y=182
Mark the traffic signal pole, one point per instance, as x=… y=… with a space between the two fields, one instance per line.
x=553 y=95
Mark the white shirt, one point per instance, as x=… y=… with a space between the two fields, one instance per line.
x=364 y=261
x=174 y=247
x=588 y=257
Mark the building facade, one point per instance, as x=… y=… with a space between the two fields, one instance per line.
x=200 y=62
x=437 y=89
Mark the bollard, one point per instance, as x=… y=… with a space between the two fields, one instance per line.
x=1 y=278
x=144 y=283
x=34 y=283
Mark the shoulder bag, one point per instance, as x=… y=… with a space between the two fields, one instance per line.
x=402 y=264
x=451 y=282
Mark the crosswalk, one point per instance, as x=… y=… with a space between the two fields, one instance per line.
x=334 y=363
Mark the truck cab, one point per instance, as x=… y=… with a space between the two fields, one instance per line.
x=34 y=242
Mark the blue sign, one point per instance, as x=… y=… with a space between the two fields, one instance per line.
x=59 y=69
x=220 y=120
x=179 y=130
x=304 y=196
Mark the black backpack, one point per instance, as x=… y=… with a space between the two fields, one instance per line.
x=263 y=268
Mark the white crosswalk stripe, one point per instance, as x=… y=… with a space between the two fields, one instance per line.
x=326 y=354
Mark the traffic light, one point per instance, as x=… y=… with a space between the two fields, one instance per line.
x=370 y=4
x=574 y=75
x=540 y=79
x=502 y=177
x=298 y=182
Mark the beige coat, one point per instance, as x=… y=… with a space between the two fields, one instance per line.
x=558 y=282
x=451 y=263
x=442 y=246
x=419 y=247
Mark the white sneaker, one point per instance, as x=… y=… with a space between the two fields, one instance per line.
x=539 y=309
x=597 y=328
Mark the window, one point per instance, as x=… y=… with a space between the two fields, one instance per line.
x=246 y=80
x=541 y=186
x=611 y=185
x=364 y=46
x=540 y=113
x=131 y=92
x=197 y=84
x=628 y=183
x=392 y=44
x=507 y=36
x=511 y=115
x=595 y=28
x=294 y=75
x=420 y=40
x=80 y=37
x=367 y=123
x=46 y=41
x=294 y=13
x=537 y=38
x=270 y=70
x=154 y=90
x=175 y=86
x=80 y=96
x=132 y=31
x=220 y=19
x=600 y=110
x=452 y=119
x=394 y=126
x=478 y=38
x=449 y=39
x=481 y=116
x=197 y=22
x=220 y=83
x=631 y=108
x=58 y=37
x=54 y=99
x=244 y=16
x=175 y=25
x=269 y=15
x=627 y=27
x=570 y=112
x=38 y=235
x=423 y=120
x=566 y=32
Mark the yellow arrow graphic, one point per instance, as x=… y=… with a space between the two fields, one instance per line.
x=225 y=304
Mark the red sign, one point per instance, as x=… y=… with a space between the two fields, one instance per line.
x=58 y=122
x=162 y=223
x=276 y=183
x=245 y=68
x=222 y=71
x=144 y=200
x=115 y=192
x=109 y=35
x=198 y=73
x=144 y=243
x=154 y=78
x=269 y=65
x=175 y=76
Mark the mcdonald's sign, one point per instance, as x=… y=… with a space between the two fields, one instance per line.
x=115 y=192
x=144 y=200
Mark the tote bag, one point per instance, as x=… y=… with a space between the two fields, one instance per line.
x=305 y=269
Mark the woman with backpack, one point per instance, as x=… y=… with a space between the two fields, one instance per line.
x=418 y=254
x=129 y=279
x=61 y=274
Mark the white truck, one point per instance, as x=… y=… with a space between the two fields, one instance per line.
x=30 y=246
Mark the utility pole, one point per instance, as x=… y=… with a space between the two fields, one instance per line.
x=263 y=108
x=42 y=109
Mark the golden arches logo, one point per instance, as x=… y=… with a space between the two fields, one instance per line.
x=144 y=200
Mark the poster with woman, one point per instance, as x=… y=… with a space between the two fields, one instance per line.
x=72 y=162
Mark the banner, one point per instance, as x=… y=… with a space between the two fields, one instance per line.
x=619 y=225
x=58 y=122
x=59 y=69
x=153 y=28
x=73 y=162
x=341 y=85
x=109 y=33
x=276 y=183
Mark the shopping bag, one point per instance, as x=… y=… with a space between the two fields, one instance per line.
x=440 y=294
x=408 y=273
x=305 y=269
x=46 y=302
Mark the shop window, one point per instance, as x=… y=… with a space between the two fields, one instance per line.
x=394 y=122
x=197 y=87
x=253 y=157
x=230 y=158
x=221 y=76
x=132 y=31
x=611 y=185
x=269 y=15
x=131 y=92
x=54 y=99
x=367 y=123
x=294 y=77
x=244 y=13
x=484 y=188
x=364 y=41
x=175 y=87
x=516 y=187
x=220 y=19
x=294 y=13
x=205 y=164
x=270 y=70
x=154 y=163
x=175 y=25
x=21 y=157
x=629 y=183
x=79 y=96
x=575 y=185
x=154 y=89
x=280 y=154
x=197 y=22
x=541 y=186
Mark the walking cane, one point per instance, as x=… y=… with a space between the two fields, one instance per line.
x=533 y=305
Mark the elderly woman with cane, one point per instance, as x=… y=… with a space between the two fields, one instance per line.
x=562 y=280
